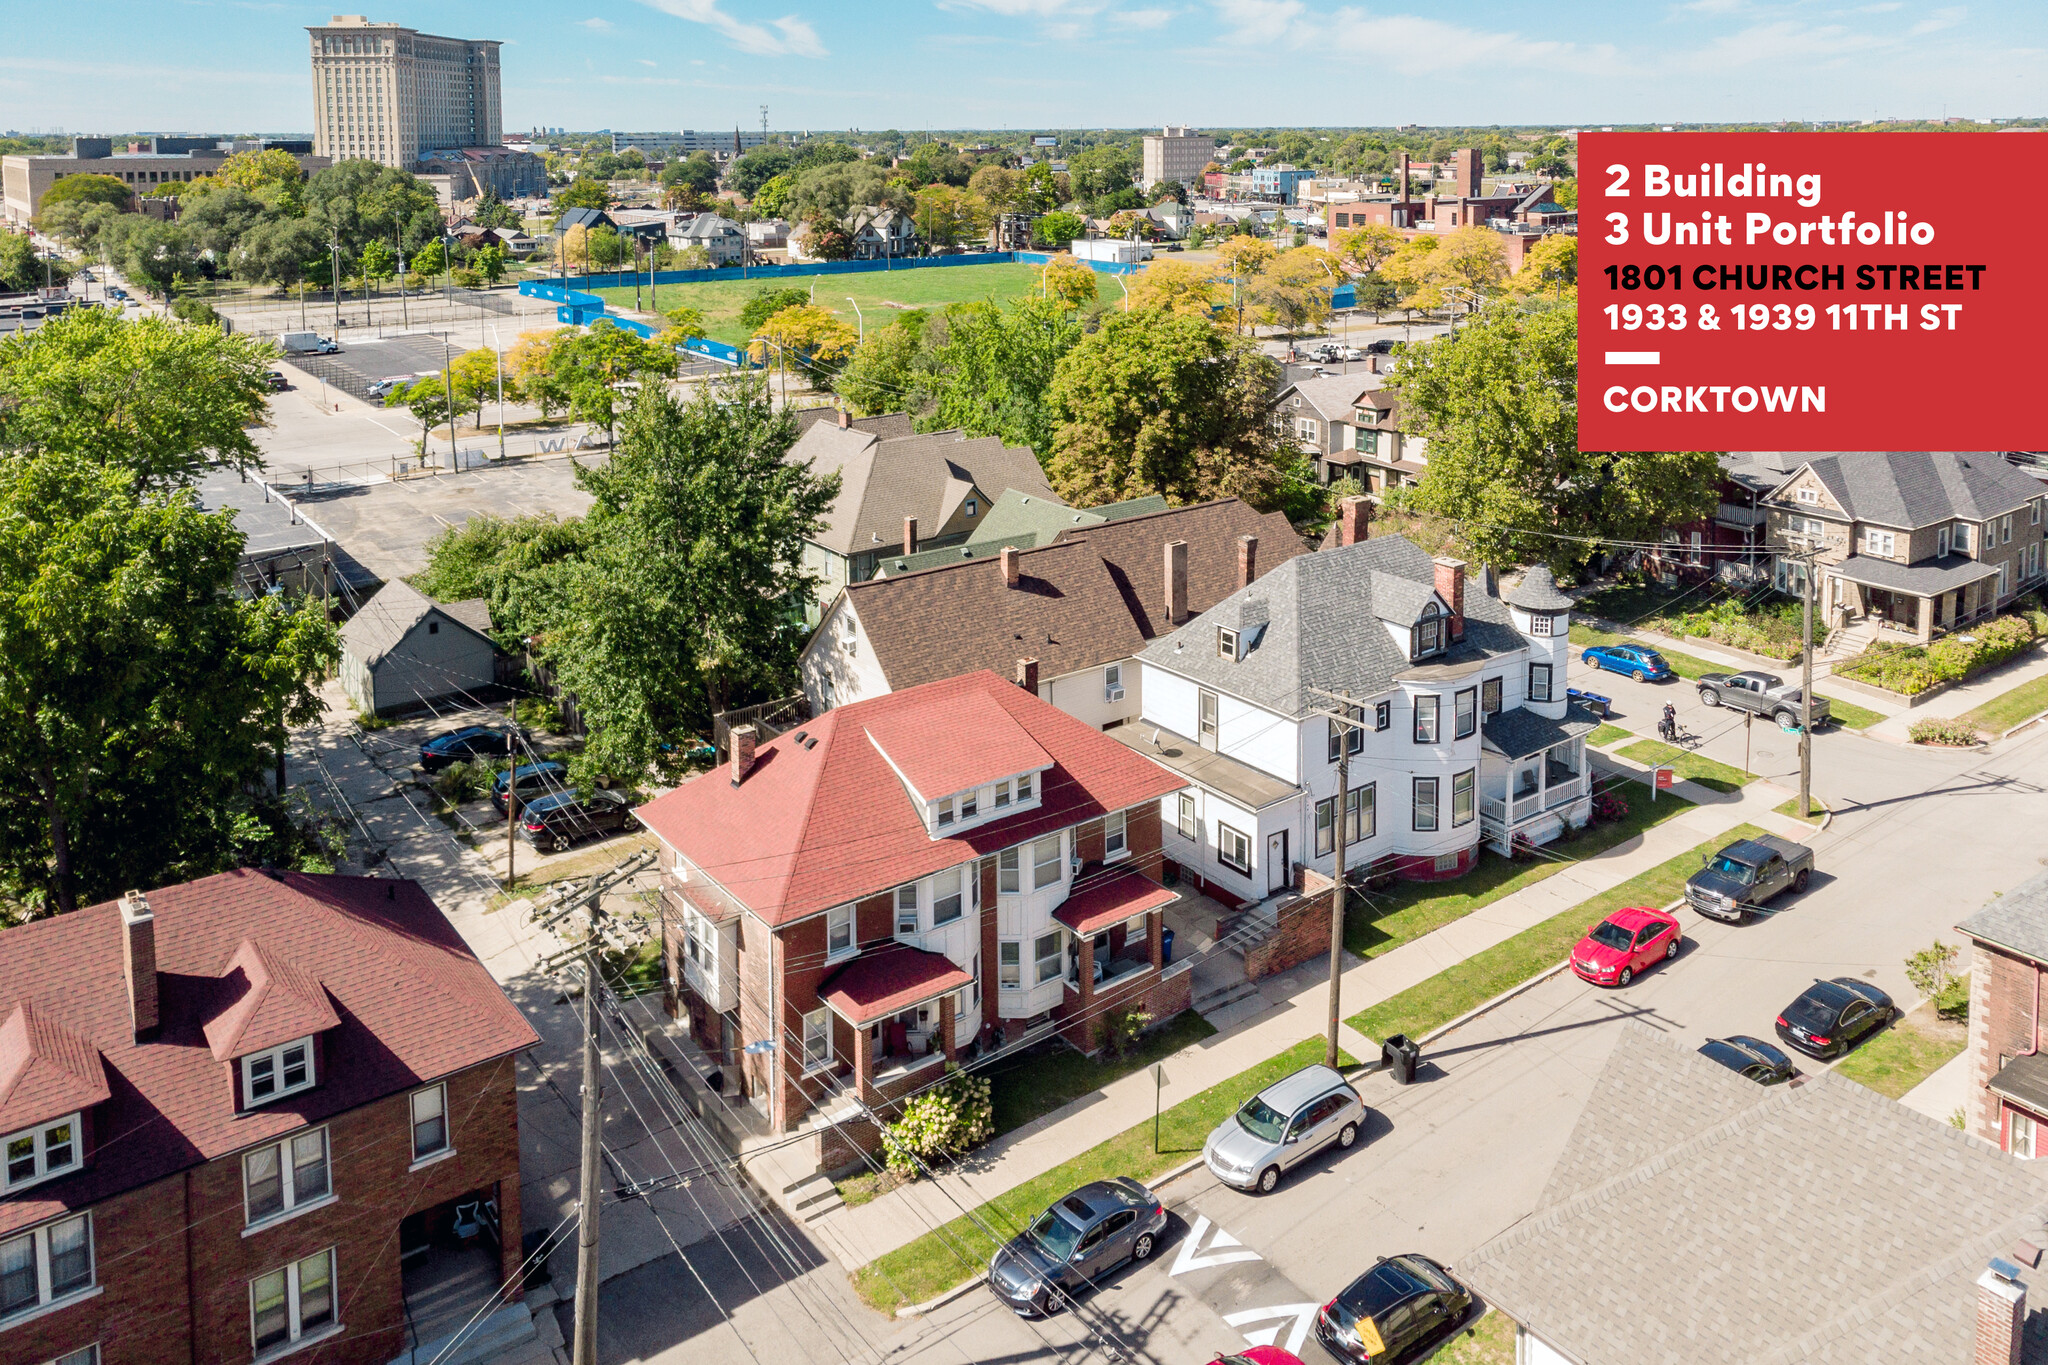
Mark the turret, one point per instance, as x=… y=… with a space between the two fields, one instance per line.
x=1543 y=616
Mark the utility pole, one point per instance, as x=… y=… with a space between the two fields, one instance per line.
x=511 y=795
x=585 y=1348
x=334 y=258
x=1346 y=717
x=404 y=309
x=1806 y=692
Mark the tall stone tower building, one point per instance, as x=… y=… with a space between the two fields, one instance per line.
x=385 y=93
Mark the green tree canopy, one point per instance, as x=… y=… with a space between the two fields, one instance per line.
x=998 y=364
x=891 y=368
x=750 y=172
x=364 y=202
x=282 y=251
x=849 y=194
x=516 y=564
x=23 y=269
x=89 y=189
x=1058 y=230
x=767 y=301
x=585 y=193
x=699 y=172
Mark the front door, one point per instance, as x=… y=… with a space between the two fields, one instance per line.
x=1277 y=870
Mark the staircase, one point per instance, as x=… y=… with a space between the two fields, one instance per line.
x=1847 y=642
x=812 y=1197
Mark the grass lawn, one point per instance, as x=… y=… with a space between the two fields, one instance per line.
x=2008 y=709
x=960 y=1250
x=1684 y=665
x=1024 y=1086
x=1689 y=767
x=1905 y=1054
x=1862 y=717
x=1790 y=808
x=881 y=296
x=1471 y=983
x=1608 y=734
x=1490 y=1341
x=1379 y=922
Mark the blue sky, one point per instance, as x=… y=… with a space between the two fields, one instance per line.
x=241 y=65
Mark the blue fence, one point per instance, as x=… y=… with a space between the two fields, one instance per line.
x=1099 y=267
x=792 y=272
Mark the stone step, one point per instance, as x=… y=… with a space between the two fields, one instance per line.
x=814 y=1189
x=1228 y=995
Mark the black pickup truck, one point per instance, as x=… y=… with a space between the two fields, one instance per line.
x=1765 y=694
x=1742 y=876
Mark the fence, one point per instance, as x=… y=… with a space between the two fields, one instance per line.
x=624 y=279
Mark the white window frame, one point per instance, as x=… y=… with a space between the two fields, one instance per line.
x=1010 y=872
x=1543 y=624
x=1010 y=964
x=2005 y=529
x=944 y=815
x=285 y=1155
x=39 y=1239
x=1184 y=815
x=817 y=1036
x=1040 y=862
x=1464 y=713
x=1233 y=848
x=907 y=891
x=1430 y=705
x=837 y=919
x=1308 y=430
x=1002 y=794
x=1808 y=495
x=439 y=1094
x=1024 y=789
x=276 y=1057
x=1464 y=797
x=940 y=897
x=1543 y=671
x=1226 y=643
x=1116 y=836
x=970 y=804
x=1693 y=548
x=38 y=1154
x=2034 y=512
x=296 y=1331
x=84 y=1355
x=2020 y=1134
x=1113 y=682
x=1877 y=542
x=1049 y=967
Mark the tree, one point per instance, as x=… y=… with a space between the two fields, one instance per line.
x=378 y=262
x=1116 y=201
x=767 y=302
x=1240 y=260
x=606 y=248
x=584 y=193
x=1293 y=291
x=139 y=699
x=1364 y=249
x=155 y=255
x=1565 y=194
x=516 y=564
x=475 y=376
x=282 y=251
x=1408 y=271
x=1168 y=190
x=1067 y=282
x=1057 y=230
x=1156 y=402
x=491 y=262
x=1039 y=190
x=493 y=212
x=1102 y=170
x=1127 y=223
x=946 y=216
x=683 y=601
x=850 y=195
x=772 y=199
x=687 y=320
x=995 y=186
x=22 y=269
x=996 y=366
x=89 y=189
x=163 y=401
x=572 y=247
x=427 y=400
x=890 y=369
x=1374 y=293
x=935 y=163
x=1469 y=264
x=363 y=202
x=1176 y=286
x=1499 y=406
x=750 y=172
x=272 y=176
x=532 y=360
x=813 y=339
x=699 y=172
x=600 y=367
x=1549 y=267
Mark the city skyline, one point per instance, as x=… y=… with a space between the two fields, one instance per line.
x=909 y=64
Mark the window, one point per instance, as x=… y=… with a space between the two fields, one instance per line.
x=970 y=803
x=1351 y=737
x=45 y=1264
x=1206 y=720
x=1693 y=548
x=1426 y=637
x=1006 y=872
x=946 y=896
x=1542 y=623
x=288 y=1175
x=47 y=1149
x=1009 y=964
x=1489 y=697
x=1941 y=542
x=1461 y=797
x=1307 y=430
x=1226 y=643
x=1425 y=803
x=1326 y=826
x=1002 y=795
x=1184 y=815
x=1466 y=711
x=1023 y=789
x=2019 y=1134
x=1539 y=682
x=429 y=1122
x=1877 y=543
x=906 y=909
x=839 y=932
x=288 y=1304
x=1383 y=716
x=84 y=1355
x=1045 y=862
x=279 y=1072
x=1426 y=718
x=2005 y=529
x=1809 y=495
x=2034 y=512
x=1962 y=535
x=972 y=507
x=945 y=810
x=1045 y=954
x=1113 y=682
x=817 y=1040
x=1115 y=835
x=1360 y=823
x=1233 y=848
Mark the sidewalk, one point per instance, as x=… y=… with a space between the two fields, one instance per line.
x=1296 y=1008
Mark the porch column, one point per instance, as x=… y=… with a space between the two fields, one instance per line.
x=864 y=1065
x=946 y=1026
x=1155 y=924
x=1923 y=608
x=1086 y=985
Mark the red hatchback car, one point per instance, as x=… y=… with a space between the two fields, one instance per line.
x=1625 y=943
x=1259 y=1355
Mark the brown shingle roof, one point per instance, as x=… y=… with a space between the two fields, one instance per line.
x=46 y=1070
x=888 y=425
x=885 y=479
x=1133 y=550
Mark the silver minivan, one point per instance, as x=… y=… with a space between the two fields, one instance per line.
x=1282 y=1126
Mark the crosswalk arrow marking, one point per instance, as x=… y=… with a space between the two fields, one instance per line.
x=1194 y=1256
x=1303 y=1314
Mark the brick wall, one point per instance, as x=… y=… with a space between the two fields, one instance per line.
x=1303 y=934
x=2002 y=995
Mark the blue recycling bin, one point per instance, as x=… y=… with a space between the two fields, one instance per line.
x=1165 y=947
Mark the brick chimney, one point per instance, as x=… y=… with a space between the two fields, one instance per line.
x=2001 y=1312
x=845 y=419
x=1011 y=573
x=1450 y=585
x=1247 y=560
x=910 y=535
x=1176 y=581
x=1027 y=675
x=138 y=962
x=1354 y=520
x=742 y=742
x=1471 y=171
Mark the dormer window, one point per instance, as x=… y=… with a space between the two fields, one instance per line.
x=280 y=1071
x=1809 y=495
x=970 y=802
x=1226 y=643
x=1426 y=637
x=945 y=816
x=1023 y=789
x=42 y=1151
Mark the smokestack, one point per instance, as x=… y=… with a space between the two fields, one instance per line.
x=1354 y=520
x=845 y=419
x=1027 y=675
x=742 y=742
x=2001 y=1311
x=1010 y=570
x=1176 y=581
x=910 y=535
x=1247 y=560
x=138 y=962
x=1450 y=585
x=1404 y=183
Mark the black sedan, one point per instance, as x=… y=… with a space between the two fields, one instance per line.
x=1752 y=1058
x=471 y=741
x=1075 y=1242
x=558 y=822
x=1401 y=1310
x=1831 y=1017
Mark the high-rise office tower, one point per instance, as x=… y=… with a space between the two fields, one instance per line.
x=385 y=93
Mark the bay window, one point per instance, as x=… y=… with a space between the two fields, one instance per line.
x=1046 y=955
x=1426 y=718
x=1425 y=803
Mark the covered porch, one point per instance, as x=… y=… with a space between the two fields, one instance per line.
x=1912 y=601
x=895 y=1008
x=1114 y=951
x=1533 y=776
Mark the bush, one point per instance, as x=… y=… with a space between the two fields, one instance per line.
x=460 y=782
x=1941 y=730
x=1122 y=1029
x=1609 y=806
x=1913 y=669
x=1774 y=631
x=1953 y=1000
x=950 y=1117
x=1931 y=969
x=195 y=311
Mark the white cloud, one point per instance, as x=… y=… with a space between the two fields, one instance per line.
x=596 y=25
x=1026 y=9
x=785 y=37
x=1939 y=20
x=1140 y=18
x=1407 y=43
x=644 y=62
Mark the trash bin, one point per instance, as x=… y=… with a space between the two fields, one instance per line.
x=1165 y=947
x=1400 y=1055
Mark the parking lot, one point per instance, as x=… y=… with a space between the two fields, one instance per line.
x=364 y=360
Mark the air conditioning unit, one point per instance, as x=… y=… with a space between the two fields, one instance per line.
x=1114 y=693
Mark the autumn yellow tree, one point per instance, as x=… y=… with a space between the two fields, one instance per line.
x=1177 y=287
x=1549 y=267
x=1239 y=261
x=1067 y=280
x=813 y=339
x=1408 y=270
x=1469 y=264
x=1365 y=249
x=573 y=248
x=1293 y=291
x=474 y=377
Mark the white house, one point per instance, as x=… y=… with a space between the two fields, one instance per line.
x=1465 y=734
x=722 y=239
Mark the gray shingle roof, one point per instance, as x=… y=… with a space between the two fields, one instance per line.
x=1928 y=577
x=1519 y=733
x=2017 y=920
x=1911 y=488
x=1537 y=592
x=1325 y=615
x=883 y=480
x=1333 y=396
x=387 y=618
x=1699 y=1218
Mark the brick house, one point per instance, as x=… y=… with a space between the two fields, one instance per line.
x=1730 y=544
x=238 y=1114
x=2008 y=1100
x=851 y=906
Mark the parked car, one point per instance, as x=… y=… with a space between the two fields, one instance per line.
x=378 y=388
x=1831 y=1017
x=1350 y=353
x=1381 y=347
x=1282 y=1126
x=1399 y=1311
x=456 y=746
x=1745 y=874
x=275 y=381
x=534 y=779
x=556 y=823
x=1764 y=694
x=1259 y=1355
x=1076 y=1241
x=1626 y=942
x=1638 y=662
x=1752 y=1058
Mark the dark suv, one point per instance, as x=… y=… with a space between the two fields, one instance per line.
x=535 y=779
x=557 y=822
x=471 y=741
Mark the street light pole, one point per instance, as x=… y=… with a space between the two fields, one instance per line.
x=1806 y=691
x=860 y=320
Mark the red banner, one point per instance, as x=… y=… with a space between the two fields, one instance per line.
x=1810 y=291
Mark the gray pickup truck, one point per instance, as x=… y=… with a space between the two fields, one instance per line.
x=1742 y=876
x=1765 y=694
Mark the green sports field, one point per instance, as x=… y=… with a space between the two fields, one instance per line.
x=881 y=295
